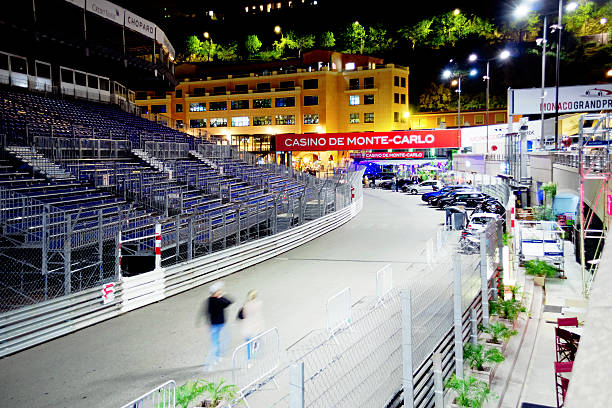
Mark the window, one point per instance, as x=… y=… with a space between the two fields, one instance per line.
x=19 y=64
x=311 y=100
x=368 y=117
x=4 y=62
x=67 y=76
x=368 y=99
x=179 y=124
x=217 y=106
x=368 y=82
x=262 y=120
x=403 y=97
x=158 y=108
x=354 y=100
x=263 y=87
x=92 y=81
x=197 y=123
x=178 y=93
x=219 y=90
x=349 y=66
x=440 y=120
x=287 y=85
x=285 y=119
x=285 y=102
x=104 y=85
x=197 y=107
x=199 y=91
x=240 y=104
x=396 y=98
x=241 y=88
x=354 y=118
x=239 y=121
x=396 y=81
x=311 y=84
x=218 y=122
x=396 y=117
x=478 y=119
x=43 y=70
x=262 y=103
x=178 y=107
x=403 y=81
x=311 y=119
x=354 y=83
x=500 y=118
x=79 y=78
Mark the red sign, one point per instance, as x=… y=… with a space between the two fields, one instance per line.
x=411 y=139
x=389 y=155
x=609 y=204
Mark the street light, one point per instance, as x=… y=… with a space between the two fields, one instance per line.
x=277 y=29
x=207 y=37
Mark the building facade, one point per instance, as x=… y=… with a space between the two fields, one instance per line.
x=433 y=120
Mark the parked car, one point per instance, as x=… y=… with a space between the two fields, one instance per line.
x=424 y=187
x=490 y=205
x=388 y=184
x=427 y=196
x=379 y=178
x=480 y=221
x=468 y=199
x=434 y=200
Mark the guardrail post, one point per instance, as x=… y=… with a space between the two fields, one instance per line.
x=177 y=229
x=407 y=370
x=210 y=235
x=473 y=327
x=438 y=382
x=483 y=279
x=239 y=226
x=100 y=247
x=67 y=260
x=45 y=247
x=118 y=254
x=296 y=386
x=157 y=247
x=458 y=316
x=190 y=239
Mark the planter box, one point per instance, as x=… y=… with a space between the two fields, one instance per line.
x=486 y=376
x=501 y=346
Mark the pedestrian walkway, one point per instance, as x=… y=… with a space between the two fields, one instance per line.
x=527 y=376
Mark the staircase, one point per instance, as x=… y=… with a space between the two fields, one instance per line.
x=203 y=159
x=39 y=163
x=150 y=160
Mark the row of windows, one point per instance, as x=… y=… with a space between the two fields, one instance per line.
x=368 y=117
x=368 y=83
x=241 y=121
x=399 y=81
x=244 y=88
x=285 y=102
x=397 y=99
x=356 y=100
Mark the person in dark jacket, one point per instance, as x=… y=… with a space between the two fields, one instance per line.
x=215 y=311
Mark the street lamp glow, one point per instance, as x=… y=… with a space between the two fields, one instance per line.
x=206 y=35
x=603 y=21
x=504 y=54
x=454 y=82
x=472 y=57
x=473 y=72
x=406 y=115
x=446 y=74
x=456 y=12
x=521 y=11
x=277 y=29
x=571 y=6
x=609 y=73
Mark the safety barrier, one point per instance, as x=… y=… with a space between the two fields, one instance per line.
x=384 y=282
x=163 y=396
x=32 y=325
x=255 y=361
x=338 y=311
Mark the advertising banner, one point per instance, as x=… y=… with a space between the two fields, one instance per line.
x=78 y=3
x=139 y=24
x=584 y=98
x=410 y=139
x=106 y=9
x=389 y=155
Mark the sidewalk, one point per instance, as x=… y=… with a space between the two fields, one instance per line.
x=527 y=375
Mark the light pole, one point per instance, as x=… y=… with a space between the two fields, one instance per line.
x=543 y=92
x=457 y=76
x=207 y=36
x=505 y=54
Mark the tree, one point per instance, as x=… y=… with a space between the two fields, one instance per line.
x=252 y=44
x=586 y=19
x=418 y=33
x=327 y=40
x=526 y=29
x=227 y=52
x=436 y=98
x=209 y=49
x=300 y=42
x=377 y=40
x=355 y=36
x=193 y=48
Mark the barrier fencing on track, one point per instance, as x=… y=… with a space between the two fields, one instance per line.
x=384 y=282
x=338 y=311
x=163 y=396
x=386 y=353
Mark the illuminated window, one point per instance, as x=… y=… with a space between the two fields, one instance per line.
x=285 y=119
x=354 y=100
x=354 y=118
x=349 y=66
x=278 y=5
x=239 y=121
x=261 y=7
x=286 y=102
x=269 y=7
x=311 y=100
x=246 y=9
x=218 y=122
x=197 y=123
x=197 y=107
x=262 y=103
x=262 y=120
x=368 y=117
x=311 y=119
x=240 y=104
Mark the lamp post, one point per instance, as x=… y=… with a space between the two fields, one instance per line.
x=207 y=37
x=505 y=54
x=457 y=76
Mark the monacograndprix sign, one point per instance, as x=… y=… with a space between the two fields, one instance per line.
x=389 y=155
x=414 y=139
x=584 y=98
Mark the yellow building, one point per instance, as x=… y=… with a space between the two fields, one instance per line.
x=332 y=92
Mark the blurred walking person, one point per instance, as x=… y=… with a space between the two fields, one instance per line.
x=252 y=320
x=216 y=305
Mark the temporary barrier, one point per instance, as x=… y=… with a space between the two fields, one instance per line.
x=384 y=282
x=254 y=362
x=163 y=396
x=338 y=311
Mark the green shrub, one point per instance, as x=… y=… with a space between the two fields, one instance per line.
x=540 y=268
x=477 y=356
x=506 y=309
x=498 y=332
x=471 y=393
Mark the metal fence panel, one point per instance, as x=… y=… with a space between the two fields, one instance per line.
x=338 y=311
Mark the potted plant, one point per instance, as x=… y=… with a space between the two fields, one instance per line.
x=479 y=360
x=540 y=270
x=218 y=394
x=507 y=310
x=499 y=334
x=187 y=393
x=470 y=392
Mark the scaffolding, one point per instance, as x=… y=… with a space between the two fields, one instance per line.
x=594 y=165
